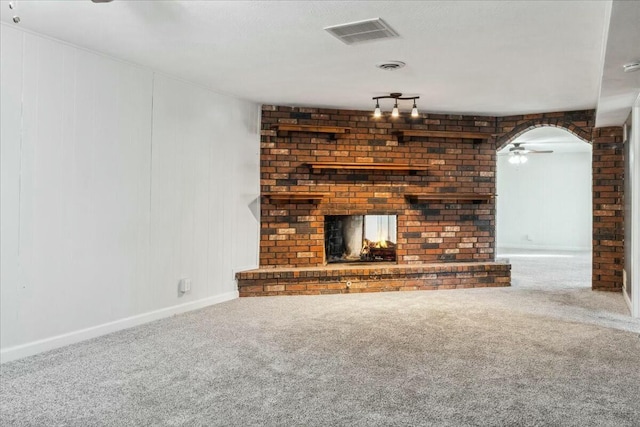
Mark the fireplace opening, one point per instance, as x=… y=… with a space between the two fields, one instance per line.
x=360 y=238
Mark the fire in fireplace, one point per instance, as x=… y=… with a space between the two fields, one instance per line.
x=360 y=238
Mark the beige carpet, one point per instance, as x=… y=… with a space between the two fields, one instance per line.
x=547 y=351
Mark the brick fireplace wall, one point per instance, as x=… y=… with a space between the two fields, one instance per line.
x=441 y=243
x=292 y=234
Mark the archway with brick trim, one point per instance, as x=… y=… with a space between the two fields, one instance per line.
x=607 y=184
x=543 y=208
x=581 y=128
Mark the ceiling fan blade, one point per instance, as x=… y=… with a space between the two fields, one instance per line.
x=540 y=151
x=520 y=150
x=101 y=1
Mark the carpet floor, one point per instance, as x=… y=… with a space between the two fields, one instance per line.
x=547 y=351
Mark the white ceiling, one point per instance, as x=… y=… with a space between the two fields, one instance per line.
x=475 y=57
x=619 y=89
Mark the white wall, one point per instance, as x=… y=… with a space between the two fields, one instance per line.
x=632 y=207
x=116 y=182
x=545 y=203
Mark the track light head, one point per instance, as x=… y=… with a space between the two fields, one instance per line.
x=414 y=110
x=377 y=113
x=395 y=112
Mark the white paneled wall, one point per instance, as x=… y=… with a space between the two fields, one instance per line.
x=201 y=192
x=116 y=182
x=545 y=203
x=632 y=212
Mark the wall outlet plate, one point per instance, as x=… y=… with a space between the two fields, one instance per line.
x=184 y=285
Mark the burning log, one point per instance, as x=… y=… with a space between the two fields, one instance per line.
x=382 y=250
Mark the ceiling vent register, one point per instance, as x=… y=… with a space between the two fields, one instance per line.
x=391 y=65
x=362 y=31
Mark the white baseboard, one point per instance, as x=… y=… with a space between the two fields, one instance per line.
x=628 y=301
x=544 y=248
x=35 y=347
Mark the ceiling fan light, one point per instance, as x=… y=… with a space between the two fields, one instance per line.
x=517 y=159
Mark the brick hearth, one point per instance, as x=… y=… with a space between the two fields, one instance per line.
x=333 y=279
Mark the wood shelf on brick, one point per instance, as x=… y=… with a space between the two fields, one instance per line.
x=467 y=197
x=331 y=130
x=403 y=135
x=367 y=166
x=295 y=196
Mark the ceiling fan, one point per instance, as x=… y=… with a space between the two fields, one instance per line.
x=518 y=148
x=518 y=153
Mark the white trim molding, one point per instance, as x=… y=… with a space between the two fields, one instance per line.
x=36 y=347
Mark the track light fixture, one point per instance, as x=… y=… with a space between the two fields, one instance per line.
x=631 y=66
x=395 y=112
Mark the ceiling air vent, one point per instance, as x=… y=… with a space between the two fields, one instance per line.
x=362 y=31
x=391 y=65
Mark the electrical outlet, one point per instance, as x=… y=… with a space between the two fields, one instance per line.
x=184 y=285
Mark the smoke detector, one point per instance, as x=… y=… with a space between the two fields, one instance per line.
x=391 y=65
x=362 y=31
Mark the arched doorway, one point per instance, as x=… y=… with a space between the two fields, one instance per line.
x=544 y=207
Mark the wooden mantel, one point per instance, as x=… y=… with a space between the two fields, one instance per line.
x=295 y=196
x=331 y=130
x=367 y=166
x=403 y=135
x=469 y=197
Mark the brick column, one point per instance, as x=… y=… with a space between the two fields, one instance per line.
x=608 y=209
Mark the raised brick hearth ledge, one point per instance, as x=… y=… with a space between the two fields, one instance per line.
x=344 y=278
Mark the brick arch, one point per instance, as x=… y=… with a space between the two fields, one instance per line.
x=607 y=184
x=581 y=131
